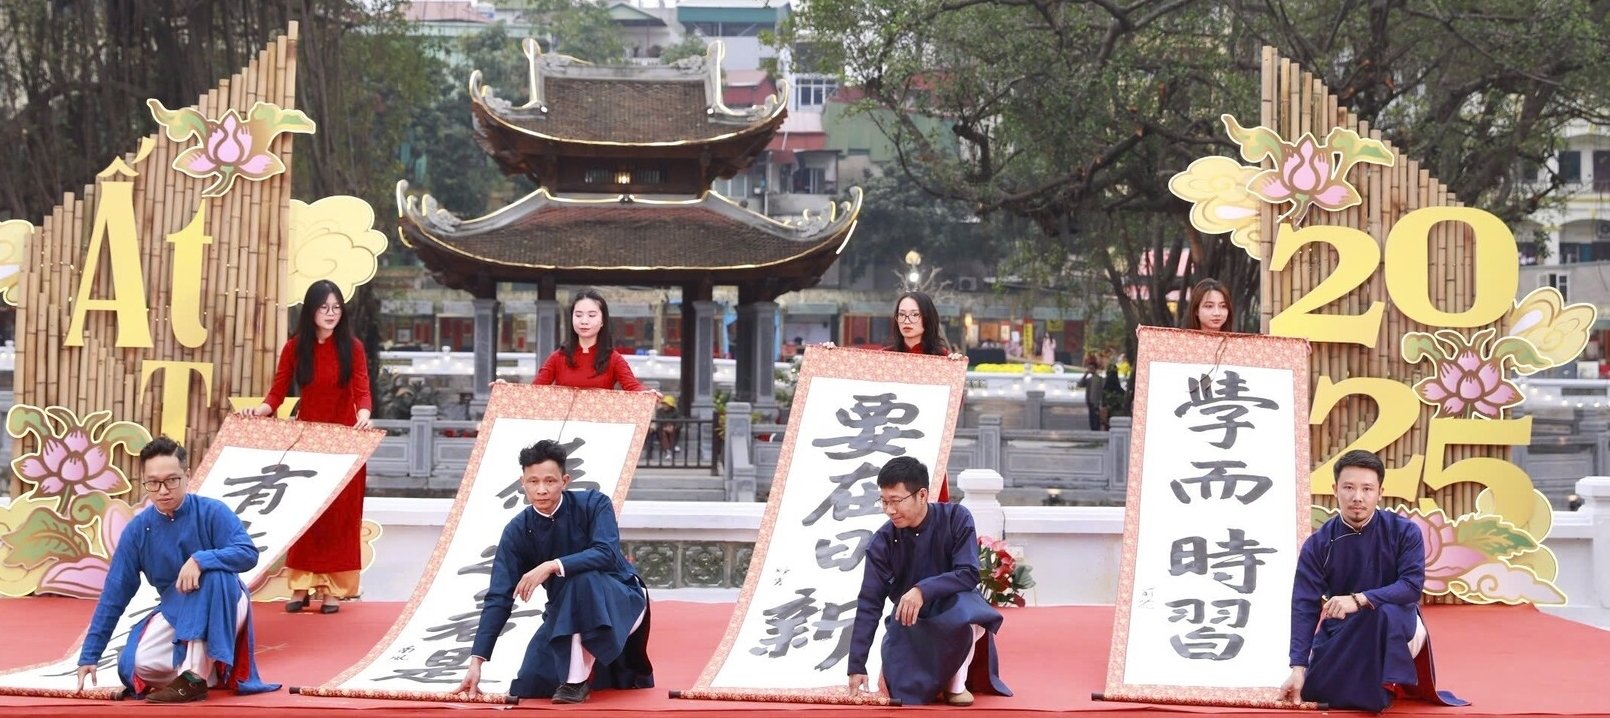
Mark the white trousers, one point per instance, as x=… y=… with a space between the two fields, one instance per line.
x=1418 y=642
x=153 y=658
x=958 y=682
x=581 y=661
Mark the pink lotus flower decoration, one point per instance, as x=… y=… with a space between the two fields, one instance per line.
x=1467 y=378
x=1309 y=172
x=71 y=463
x=231 y=147
x=86 y=577
x=1468 y=383
x=1446 y=559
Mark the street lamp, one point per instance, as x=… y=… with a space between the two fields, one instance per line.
x=914 y=273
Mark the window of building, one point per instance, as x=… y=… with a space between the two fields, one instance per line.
x=1573 y=252
x=1557 y=280
x=812 y=92
x=728 y=29
x=1571 y=166
x=810 y=180
x=1601 y=170
x=599 y=175
x=648 y=175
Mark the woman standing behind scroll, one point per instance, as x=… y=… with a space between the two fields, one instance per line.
x=917 y=331
x=587 y=360
x=1210 y=309
x=332 y=373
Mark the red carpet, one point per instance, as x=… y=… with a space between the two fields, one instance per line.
x=1507 y=661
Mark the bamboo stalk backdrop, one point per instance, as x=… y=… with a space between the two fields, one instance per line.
x=243 y=283
x=1295 y=102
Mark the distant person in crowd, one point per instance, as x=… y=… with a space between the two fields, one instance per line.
x=595 y=626
x=1092 y=384
x=192 y=550
x=1048 y=348
x=924 y=560
x=587 y=359
x=331 y=373
x=665 y=427
x=1357 y=640
x=1210 y=309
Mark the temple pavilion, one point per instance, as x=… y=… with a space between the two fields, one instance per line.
x=623 y=158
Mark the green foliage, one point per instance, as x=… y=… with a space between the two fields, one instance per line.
x=691 y=46
x=1073 y=115
x=44 y=536
x=1493 y=536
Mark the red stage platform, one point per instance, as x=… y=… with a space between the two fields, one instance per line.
x=1507 y=661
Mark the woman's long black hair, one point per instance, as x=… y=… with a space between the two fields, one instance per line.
x=605 y=345
x=933 y=334
x=307 y=332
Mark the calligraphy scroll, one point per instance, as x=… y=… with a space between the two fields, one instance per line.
x=278 y=476
x=1217 y=510
x=789 y=638
x=427 y=651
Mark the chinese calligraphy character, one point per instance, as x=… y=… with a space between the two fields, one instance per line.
x=1190 y=555
x=1218 y=474
x=1228 y=405
x=786 y=625
x=836 y=618
x=1207 y=642
x=827 y=552
x=845 y=504
x=265 y=490
x=873 y=418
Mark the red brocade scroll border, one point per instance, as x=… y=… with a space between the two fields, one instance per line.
x=1179 y=345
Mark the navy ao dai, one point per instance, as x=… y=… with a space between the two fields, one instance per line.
x=941 y=557
x=599 y=597
x=1350 y=659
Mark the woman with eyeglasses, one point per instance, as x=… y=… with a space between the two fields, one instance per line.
x=331 y=373
x=916 y=326
x=917 y=331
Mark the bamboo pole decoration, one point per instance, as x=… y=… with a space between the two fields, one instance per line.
x=242 y=282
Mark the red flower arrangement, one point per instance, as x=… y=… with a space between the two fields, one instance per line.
x=1002 y=579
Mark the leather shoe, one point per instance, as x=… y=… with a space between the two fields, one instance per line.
x=572 y=693
x=186 y=688
x=964 y=698
x=296 y=606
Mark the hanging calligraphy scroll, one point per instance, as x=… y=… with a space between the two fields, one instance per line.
x=278 y=476
x=427 y=651
x=1217 y=509
x=789 y=638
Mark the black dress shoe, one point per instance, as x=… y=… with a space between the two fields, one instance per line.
x=329 y=608
x=296 y=606
x=572 y=693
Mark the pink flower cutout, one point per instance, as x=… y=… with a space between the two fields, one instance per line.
x=71 y=462
x=1446 y=559
x=86 y=577
x=228 y=144
x=1467 y=384
x=1306 y=176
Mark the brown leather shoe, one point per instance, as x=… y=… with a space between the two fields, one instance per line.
x=964 y=698
x=186 y=688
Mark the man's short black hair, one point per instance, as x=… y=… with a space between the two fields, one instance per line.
x=545 y=450
x=903 y=471
x=1362 y=459
x=163 y=446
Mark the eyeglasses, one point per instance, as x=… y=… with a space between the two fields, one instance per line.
x=880 y=503
x=330 y=309
x=171 y=483
x=908 y=317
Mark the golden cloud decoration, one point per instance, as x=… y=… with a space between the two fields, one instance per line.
x=278 y=586
x=14 y=236
x=1558 y=331
x=1216 y=187
x=335 y=239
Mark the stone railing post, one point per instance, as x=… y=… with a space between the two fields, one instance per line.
x=1595 y=493
x=1595 y=426
x=981 y=489
x=1118 y=452
x=989 y=442
x=739 y=442
x=421 y=440
x=1033 y=410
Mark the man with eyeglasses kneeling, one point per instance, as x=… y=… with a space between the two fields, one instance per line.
x=192 y=550
x=925 y=561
